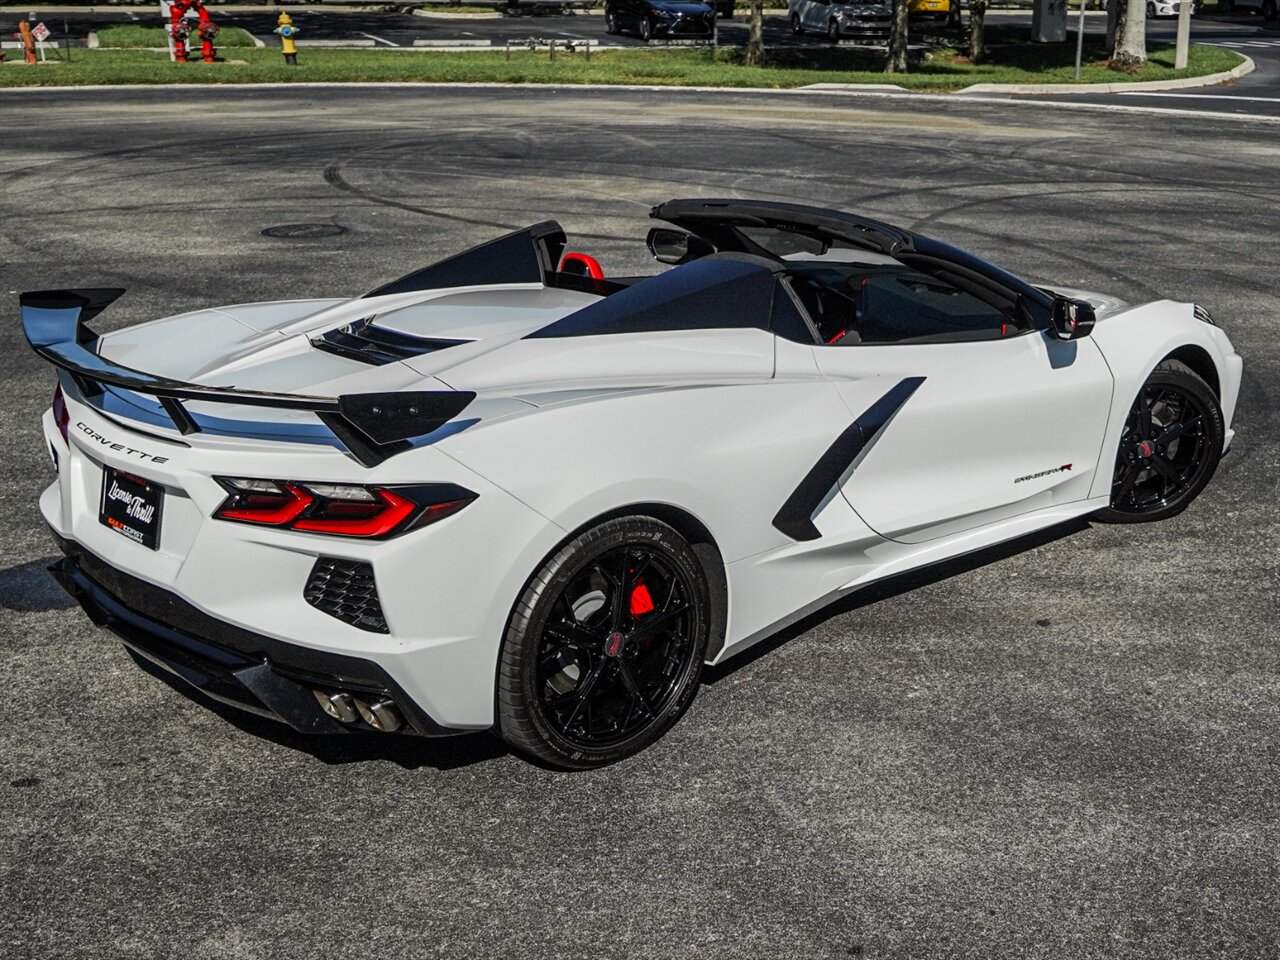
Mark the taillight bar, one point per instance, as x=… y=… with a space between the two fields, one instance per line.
x=339 y=509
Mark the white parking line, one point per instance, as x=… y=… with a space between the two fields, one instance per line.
x=379 y=39
x=1199 y=96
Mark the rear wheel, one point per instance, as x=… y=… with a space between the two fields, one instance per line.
x=1169 y=448
x=797 y=28
x=833 y=32
x=646 y=29
x=1151 y=11
x=611 y=25
x=604 y=650
x=1269 y=9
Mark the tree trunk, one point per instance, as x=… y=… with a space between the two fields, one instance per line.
x=977 y=17
x=897 y=60
x=755 y=36
x=1130 y=50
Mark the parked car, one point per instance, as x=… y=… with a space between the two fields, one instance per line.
x=1267 y=8
x=935 y=9
x=863 y=19
x=1168 y=8
x=507 y=490
x=665 y=19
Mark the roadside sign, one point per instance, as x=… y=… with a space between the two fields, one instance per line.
x=40 y=32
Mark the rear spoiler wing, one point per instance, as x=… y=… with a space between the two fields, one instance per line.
x=372 y=426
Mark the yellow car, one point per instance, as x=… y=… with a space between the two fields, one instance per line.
x=933 y=8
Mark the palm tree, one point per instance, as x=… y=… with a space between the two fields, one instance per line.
x=1130 y=49
x=755 y=36
x=897 y=60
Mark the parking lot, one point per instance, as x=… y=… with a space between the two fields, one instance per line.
x=1065 y=747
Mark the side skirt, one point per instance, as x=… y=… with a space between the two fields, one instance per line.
x=914 y=557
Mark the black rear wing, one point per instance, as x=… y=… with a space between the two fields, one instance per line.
x=372 y=426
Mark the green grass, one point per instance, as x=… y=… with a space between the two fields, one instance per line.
x=133 y=35
x=792 y=67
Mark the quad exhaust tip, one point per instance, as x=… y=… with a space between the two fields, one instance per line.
x=340 y=706
x=381 y=714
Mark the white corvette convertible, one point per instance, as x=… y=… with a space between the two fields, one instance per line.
x=509 y=492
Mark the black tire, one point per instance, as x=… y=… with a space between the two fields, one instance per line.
x=1169 y=448
x=646 y=29
x=1226 y=6
x=833 y=31
x=797 y=28
x=611 y=25
x=1151 y=11
x=1269 y=9
x=586 y=678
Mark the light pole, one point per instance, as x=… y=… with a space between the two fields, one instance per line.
x=1080 y=39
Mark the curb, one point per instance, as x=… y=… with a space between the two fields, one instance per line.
x=1208 y=80
x=433 y=15
x=829 y=89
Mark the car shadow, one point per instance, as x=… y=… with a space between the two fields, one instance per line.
x=892 y=587
x=451 y=753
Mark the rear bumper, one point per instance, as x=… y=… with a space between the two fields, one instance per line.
x=246 y=670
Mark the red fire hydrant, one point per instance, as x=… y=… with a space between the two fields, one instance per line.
x=180 y=30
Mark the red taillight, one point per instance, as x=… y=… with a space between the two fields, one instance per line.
x=360 y=519
x=254 y=501
x=339 y=509
x=60 y=414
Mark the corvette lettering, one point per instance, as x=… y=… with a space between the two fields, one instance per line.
x=118 y=447
x=1044 y=473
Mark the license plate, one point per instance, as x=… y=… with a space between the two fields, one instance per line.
x=131 y=506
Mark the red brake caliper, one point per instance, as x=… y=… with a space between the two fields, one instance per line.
x=641 y=602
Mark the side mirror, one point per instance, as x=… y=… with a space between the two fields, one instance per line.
x=1072 y=319
x=675 y=246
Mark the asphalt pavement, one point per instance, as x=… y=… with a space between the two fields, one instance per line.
x=1061 y=748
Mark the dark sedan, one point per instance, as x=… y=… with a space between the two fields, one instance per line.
x=661 y=19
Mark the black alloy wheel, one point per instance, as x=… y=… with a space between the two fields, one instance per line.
x=611 y=25
x=1169 y=448
x=604 y=650
x=833 y=31
x=797 y=28
x=646 y=29
x=1151 y=11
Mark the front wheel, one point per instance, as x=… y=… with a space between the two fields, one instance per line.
x=1151 y=11
x=611 y=25
x=646 y=29
x=1269 y=9
x=797 y=29
x=1169 y=448
x=833 y=32
x=604 y=650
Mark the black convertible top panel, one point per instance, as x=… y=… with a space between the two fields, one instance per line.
x=725 y=290
x=714 y=220
x=525 y=256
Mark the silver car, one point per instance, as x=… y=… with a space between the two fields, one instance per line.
x=861 y=19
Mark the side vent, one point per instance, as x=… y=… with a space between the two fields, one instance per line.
x=361 y=340
x=344 y=589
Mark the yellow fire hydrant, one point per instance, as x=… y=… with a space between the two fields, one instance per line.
x=287 y=31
